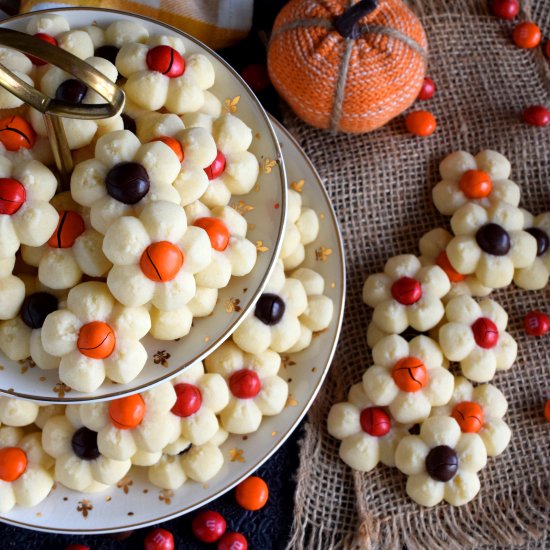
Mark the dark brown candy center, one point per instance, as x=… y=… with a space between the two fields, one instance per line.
x=442 y=463
x=493 y=239
x=269 y=309
x=84 y=444
x=36 y=307
x=107 y=52
x=127 y=182
x=543 y=241
x=72 y=91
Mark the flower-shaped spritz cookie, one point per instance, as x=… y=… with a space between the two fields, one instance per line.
x=96 y=338
x=255 y=389
x=490 y=243
x=475 y=336
x=79 y=465
x=535 y=276
x=406 y=294
x=123 y=177
x=158 y=75
x=24 y=469
x=479 y=410
x=274 y=323
x=368 y=433
x=408 y=377
x=482 y=179
x=21 y=66
x=442 y=462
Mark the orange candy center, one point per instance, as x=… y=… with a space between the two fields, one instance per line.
x=217 y=232
x=174 y=144
x=69 y=228
x=128 y=412
x=13 y=463
x=443 y=262
x=96 y=340
x=469 y=415
x=476 y=184
x=16 y=133
x=161 y=261
x=410 y=374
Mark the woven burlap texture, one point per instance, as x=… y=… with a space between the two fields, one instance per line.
x=380 y=185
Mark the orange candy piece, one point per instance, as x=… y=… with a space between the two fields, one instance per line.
x=252 y=493
x=421 y=123
x=174 y=144
x=70 y=227
x=547 y=410
x=96 y=340
x=16 y=133
x=217 y=232
x=410 y=374
x=469 y=415
x=476 y=184
x=161 y=261
x=13 y=463
x=128 y=412
x=526 y=35
x=443 y=262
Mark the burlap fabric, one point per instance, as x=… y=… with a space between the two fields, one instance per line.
x=380 y=186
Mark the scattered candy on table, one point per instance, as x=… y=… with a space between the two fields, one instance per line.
x=233 y=541
x=537 y=115
x=208 y=526
x=526 y=35
x=421 y=123
x=428 y=89
x=536 y=323
x=252 y=493
x=505 y=9
x=159 y=539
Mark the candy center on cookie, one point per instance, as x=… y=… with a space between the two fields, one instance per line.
x=443 y=262
x=189 y=400
x=442 y=463
x=16 y=133
x=12 y=196
x=36 y=307
x=216 y=169
x=410 y=374
x=493 y=239
x=45 y=38
x=476 y=184
x=107 y=52
x=161 y=261
x=245 y=384
x=270 y=309
x=84 y=444
x=217 y=232
x=375 y=421
x=469 y=415
x=127 y=182
x=485 y=333
x=69 y=228
x=165 y=60
x=543 y=241
x=406 y=291
x=96 y=340
x=174 y=144
x=13 y=463
x=72 y=91
x=128 y=412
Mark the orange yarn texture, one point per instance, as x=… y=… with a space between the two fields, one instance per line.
x=353 y=84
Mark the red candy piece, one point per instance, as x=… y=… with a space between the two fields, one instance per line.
x=12 y=196
x=410 y=374
x=159 y=539
x=96 y=340
x=127 y=412
x=443 y=262
x=217 y=167
x=428 y=89
x=233 y=541
x=252 y=493
x=476 y=184
x=406 y=291
x=485 y=333
x=547 y=49
x=505 y=9
x=45 y=38
x=70 y=227
x=189 y=400
x=375 y=421
x=161 y=261
x=469 y=415
x=537 y=115
x=208 y=526
x=256 y=76
x=526 y=35
x=421 y=123
x=547 y=410
x=13 y=463
x=174 y=144
x=536 y=323
x=217 y=232
x=165 y=60
x=245 y=384
x=16 y=133
x=77 y=547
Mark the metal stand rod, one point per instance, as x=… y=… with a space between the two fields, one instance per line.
x=60 y=149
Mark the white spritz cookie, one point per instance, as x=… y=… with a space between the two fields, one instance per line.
x=20 y=65
x=17 y=412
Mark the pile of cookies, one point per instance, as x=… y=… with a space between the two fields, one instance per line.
x=432 y=317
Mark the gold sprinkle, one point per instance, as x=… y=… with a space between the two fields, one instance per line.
x=245 y=437
x=65 y=498
x=130 y=513
x=84 y=507
x=206 y=338
x=314 y=369
x=260 y=246
x=125 y=483
x=61 y=389
x=42 y=379
x=161 y=358
x=242 y=208
x=236 y=455
x=322 y=254
x=27 y=364
x=145 y=491
x=38 y=514
x=258 y=135
x=205 y=486
x=166 y=496
x=321 y=216
x=291 y=402
x=269 y=164
x=286 y=361
x=2 y=367
x=273 y=434
x=230 y=105
x=298 y=186
x=332 y=285
x=108 y=499
x=251 y=226
x=256 y=188
x=232 y=305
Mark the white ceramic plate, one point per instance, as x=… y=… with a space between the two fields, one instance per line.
x=137 y=503
x=264 y=208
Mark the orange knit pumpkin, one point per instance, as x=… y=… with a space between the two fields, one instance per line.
x=347 y=68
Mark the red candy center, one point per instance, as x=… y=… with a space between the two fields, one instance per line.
x=70 y=227
x=406 y=291
x=165 y=60
x=375 y=421
x=128 y=412
x=485 y=333
x=476 y=184
x=96 y=340
x=217 y=167
x=161 y=261
x=174 y=144
x=45 y=38
x=13 y=463
x=189 y=400
x=12 y=196
x=16 y=133
x=217 y=232
x=245 y=384
x=469 y=415
x=410 y=374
